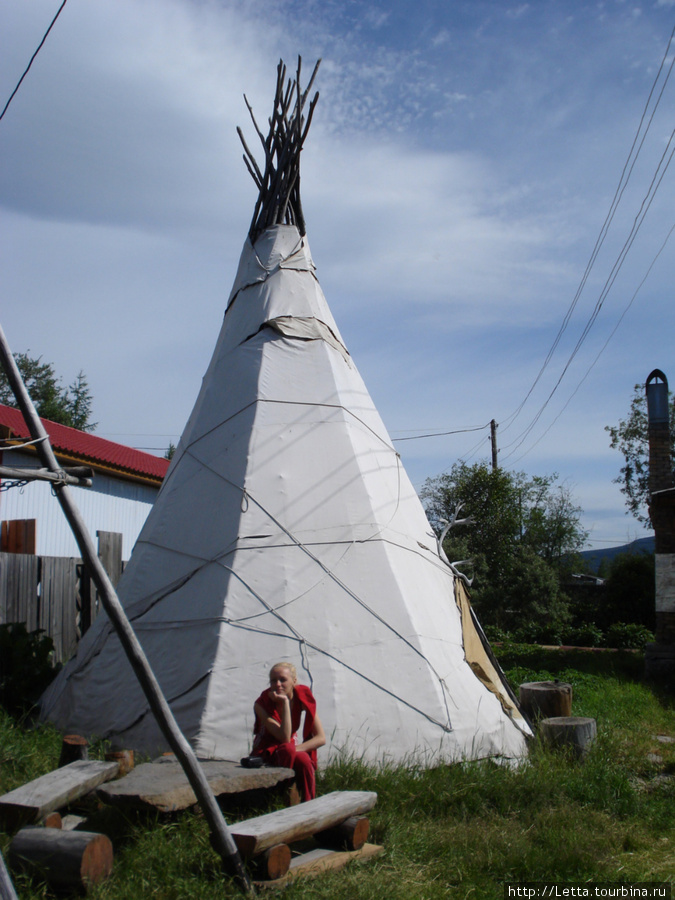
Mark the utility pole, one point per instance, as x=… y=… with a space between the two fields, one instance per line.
x=660 y=655
x=493 y=442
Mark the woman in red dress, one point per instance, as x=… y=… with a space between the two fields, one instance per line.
x=278 y=711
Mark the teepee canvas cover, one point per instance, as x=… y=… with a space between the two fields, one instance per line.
x=286 y=528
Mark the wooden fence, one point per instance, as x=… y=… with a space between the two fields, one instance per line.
x=55 y=594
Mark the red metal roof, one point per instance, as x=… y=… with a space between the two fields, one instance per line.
x=88 y=448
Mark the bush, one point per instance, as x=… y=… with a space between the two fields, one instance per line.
x=25 y=666
x=628 y=636
x=584 y=636
x=495 y=634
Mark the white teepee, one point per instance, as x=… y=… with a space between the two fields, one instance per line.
x=287 y=528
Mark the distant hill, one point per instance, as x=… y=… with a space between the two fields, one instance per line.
x=594 y=557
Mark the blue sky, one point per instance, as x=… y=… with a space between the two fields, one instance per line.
x=458 y=172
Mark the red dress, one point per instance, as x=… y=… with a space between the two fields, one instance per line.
x=266 y=745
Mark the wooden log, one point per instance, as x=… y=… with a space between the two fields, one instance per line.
x=273 y=863
x=64 y=477
x=124 y=758
x=74 y=860
x=73 y=748
x=351 y=834
x=52 y=820
x=574 y=732
x=545 y=699
x=33 y=801
x=7 y=891
x=300 y=822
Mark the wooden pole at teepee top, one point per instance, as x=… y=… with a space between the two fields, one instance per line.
x=278 y=180
x=222 y=839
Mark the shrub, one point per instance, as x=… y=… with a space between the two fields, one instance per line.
x=584 y=636
x=628 y=636
x=25 y=666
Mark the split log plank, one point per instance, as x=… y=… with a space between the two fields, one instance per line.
x=317 y=861
x=34 y=800
x=65 y=859
x=163 y=784
x=300 y=822
x=71 y=822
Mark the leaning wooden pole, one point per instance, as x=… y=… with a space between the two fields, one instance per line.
x=7 y=891
x=222 y=839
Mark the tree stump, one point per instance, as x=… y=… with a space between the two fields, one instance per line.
x=545 y=699
x=73 y=748
x=574 y=732
x=73 y=860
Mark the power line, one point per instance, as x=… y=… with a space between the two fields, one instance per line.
x=418 y=437
x=32 y=58
x=604 y=346
x=618 y=194
x=647 y=200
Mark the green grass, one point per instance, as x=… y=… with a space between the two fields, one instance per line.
x=454 y=831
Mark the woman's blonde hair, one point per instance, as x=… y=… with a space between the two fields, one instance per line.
x=285 y=665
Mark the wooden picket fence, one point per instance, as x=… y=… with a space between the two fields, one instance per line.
x=54 y=593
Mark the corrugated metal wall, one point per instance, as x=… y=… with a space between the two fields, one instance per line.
x=112 y=504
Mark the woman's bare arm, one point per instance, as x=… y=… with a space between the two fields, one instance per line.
x=281 y=732
x=317 y=740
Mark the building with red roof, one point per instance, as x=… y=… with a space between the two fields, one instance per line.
x=125 y=484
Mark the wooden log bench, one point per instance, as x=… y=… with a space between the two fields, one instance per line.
x=335 y=820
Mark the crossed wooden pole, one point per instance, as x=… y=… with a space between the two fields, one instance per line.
x=222 y=840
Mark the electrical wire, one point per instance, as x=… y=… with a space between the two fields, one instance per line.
x=32 y=58
x=618 y=194
x=602 y=349
x=611 y=278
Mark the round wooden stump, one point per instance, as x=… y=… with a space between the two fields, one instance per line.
x=545 y=699
x=574 y=732
x=124 y=758
x=73 y=748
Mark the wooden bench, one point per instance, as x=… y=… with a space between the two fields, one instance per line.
x=335 y=821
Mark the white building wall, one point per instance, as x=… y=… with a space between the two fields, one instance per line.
x=111 y=504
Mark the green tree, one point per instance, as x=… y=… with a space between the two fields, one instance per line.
x=68 y=406
x=523 y=537
x=630 y=438
x=630 y=588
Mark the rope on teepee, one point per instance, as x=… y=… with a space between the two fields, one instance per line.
x=278 y=184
